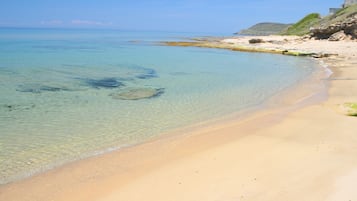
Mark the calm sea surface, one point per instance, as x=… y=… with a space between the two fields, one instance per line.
x=70 y=94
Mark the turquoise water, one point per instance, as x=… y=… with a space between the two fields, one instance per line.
x=59 y=91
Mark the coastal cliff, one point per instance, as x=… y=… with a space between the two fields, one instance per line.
x=339 y=26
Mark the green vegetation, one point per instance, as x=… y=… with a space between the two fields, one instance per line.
x=314 y=20
x=340 y=15
x=351 y=108
x=345 y=11
x=262 y=29
x=303 y=26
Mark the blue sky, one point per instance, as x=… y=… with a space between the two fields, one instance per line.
x=224 y=16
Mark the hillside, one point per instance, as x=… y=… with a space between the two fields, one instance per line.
x=341 y=25
x=302 y=27
x=266 y=28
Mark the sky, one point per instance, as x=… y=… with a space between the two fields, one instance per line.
x=216 y=16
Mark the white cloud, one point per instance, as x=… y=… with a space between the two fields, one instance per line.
x=89 y=22
x=52 y=22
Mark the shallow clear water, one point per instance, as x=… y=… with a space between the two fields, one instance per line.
x=58 y=91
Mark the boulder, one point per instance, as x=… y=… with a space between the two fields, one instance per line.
x=256 y=40
x=338 y=36
x=324 y=32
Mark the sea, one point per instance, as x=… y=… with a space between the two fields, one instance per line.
x=69 y=94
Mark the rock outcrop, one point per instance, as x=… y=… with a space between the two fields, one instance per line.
x=338 y=36
x=337 y=30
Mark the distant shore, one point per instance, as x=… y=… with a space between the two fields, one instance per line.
x=298 y=152
x=286 y=45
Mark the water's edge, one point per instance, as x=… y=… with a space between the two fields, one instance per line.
x=311 y=90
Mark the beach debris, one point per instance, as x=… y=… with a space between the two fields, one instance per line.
x=138 y=93
x=256 y=40
x=104 y=83
x=349 y=109
x=37 y=88
x=322 y=55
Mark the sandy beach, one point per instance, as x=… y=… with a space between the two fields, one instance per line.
x=303 y=150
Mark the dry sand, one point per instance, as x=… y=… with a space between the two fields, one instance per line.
x=299 y=151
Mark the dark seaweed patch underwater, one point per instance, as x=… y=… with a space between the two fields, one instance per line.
x=14 y=107
x=104 y=83
x=40 y=88
x=147 y=74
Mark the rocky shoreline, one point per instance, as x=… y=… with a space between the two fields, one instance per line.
x=332 y=53
x=272 y=44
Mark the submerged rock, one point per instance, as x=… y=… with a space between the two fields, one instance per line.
x=104 y=83
x=138 y=93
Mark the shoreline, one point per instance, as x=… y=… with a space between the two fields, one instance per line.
x=175 y=162
x=263 y=44
x=283 y=97
x=220 y=119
